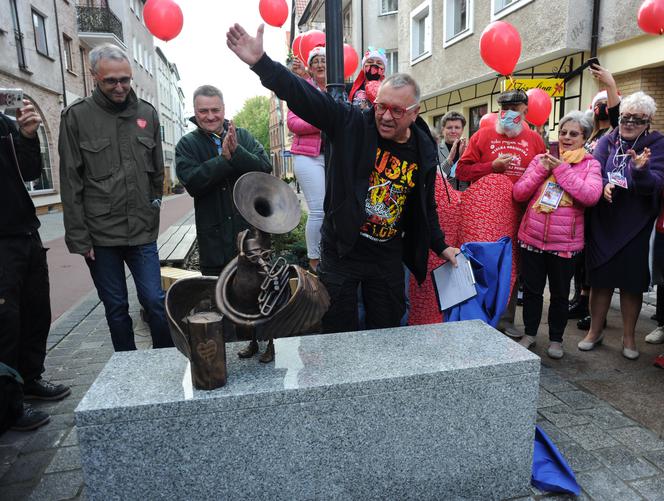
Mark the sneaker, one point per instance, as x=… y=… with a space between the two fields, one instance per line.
x=555 y=350
x=656 y=336
x=31 y=419
x=40 y=389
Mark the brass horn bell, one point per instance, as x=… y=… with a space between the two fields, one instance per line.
x=266 y=203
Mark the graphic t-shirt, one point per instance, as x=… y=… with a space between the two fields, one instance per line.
x=392 y=179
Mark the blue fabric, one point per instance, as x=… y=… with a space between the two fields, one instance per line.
x=551 y=472
x=492 y=266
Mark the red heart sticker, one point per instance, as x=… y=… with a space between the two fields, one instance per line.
x=142 y=123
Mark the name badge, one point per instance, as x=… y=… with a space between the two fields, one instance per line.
x=553 y=194
x=618 y=179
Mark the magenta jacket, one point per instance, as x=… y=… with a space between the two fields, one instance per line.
x=562 y=229
x=307 y=140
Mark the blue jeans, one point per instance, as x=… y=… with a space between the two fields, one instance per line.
x=108 y=275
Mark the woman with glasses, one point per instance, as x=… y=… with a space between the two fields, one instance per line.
x=309 y=159
x=632 y=160
x=551 y=233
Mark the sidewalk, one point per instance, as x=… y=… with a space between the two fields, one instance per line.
x=606 y=414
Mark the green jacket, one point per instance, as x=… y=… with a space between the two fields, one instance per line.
x=210 y=178
x=111 y=170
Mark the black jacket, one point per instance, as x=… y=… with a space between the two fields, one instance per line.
x=19 y=156
x=353 y=138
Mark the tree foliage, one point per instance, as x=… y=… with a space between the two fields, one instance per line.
x=255 y=117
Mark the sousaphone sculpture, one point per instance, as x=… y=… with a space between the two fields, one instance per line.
x=263 y=295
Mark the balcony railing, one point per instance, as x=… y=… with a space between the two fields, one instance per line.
x=98 y=20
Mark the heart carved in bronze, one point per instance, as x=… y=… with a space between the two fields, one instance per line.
x=207 y=350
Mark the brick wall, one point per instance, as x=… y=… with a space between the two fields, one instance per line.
x=648 y=80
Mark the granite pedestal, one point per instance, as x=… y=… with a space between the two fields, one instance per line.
x=431 y=412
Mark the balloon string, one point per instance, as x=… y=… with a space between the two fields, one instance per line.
x=512 y=81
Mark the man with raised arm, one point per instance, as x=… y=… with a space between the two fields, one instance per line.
x=379 y=201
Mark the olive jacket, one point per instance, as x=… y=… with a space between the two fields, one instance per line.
x=111 y=172
x=210 y=178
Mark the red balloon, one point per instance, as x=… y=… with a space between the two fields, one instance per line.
x=651 y=17
x=163 y=18
x=350 y=60
x=488 y=120
x=297 y=41
x=539 y=107
x=500 y=47
x=311 y=39
x=273 y=12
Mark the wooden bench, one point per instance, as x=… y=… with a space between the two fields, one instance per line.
x=176 y=243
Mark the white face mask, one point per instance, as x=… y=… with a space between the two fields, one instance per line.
x=510 y=120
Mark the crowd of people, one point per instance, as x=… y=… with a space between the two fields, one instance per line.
x=379 y=184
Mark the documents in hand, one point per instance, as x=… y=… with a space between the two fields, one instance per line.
x=454 y=285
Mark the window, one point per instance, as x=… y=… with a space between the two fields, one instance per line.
x=500 y=8
x=18 y=36
x=39 y=24
x=458 y=17
x=392 y=57
x=420 y=32
x=140 y=54
x=134 y=46
x=66 y=53
x=389 y=6
x=474 y=115
x=132 y=5
x=87 y=86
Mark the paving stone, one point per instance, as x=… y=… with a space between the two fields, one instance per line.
x=565 y=497
x=577 y=457
x=605 y=486
x=656 y=458
x=60 y=421
x=563 y=415
x=638 y=438
x=578 y=399
x=14 y=438
x=554 y=383
x=16 y=492
x=590 y=436
x=625 y=463
x=607 y=417
x=72 y=438
x=44 y=438
x=553 y=432
x=651 y=488
x=66 y=459
x=28 y=467
x=61 y=485
x=546 y=399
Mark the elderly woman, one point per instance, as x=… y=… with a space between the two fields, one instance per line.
x=551 y=232
x=632 y=159
x=451 y=146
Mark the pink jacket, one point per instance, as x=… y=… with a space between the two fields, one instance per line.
x=562 y=229
x=307 y=140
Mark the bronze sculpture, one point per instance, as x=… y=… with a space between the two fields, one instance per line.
x=259 y=295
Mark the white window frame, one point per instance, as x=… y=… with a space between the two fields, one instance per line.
x=516 y=5
x=387 y=12
x=415 y=15
x=470 y=14
x=390 y=56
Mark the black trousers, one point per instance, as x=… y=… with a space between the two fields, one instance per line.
x=536 y=267
x=25 y=308
x=382 y=283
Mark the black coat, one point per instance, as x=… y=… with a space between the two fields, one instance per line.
x=17 y=212
x=353 y=137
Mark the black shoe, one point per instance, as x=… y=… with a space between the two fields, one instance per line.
x=248 y=351
x=579 y=308
x=584 y=323
x=40 y=389
x=31 y=419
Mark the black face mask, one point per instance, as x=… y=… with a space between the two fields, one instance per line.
x=374 y=72
x=602 y=111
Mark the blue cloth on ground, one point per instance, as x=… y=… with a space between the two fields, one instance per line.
x=551 y=472
x=492 y=267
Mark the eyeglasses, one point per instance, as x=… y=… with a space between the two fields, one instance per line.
x=633 y=120
x=112 y=82
x=570 y=133
x=395 y=111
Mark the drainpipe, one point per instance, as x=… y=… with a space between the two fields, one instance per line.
x=594 y=40
x=292 y=25
x=361 y=51
x=62 y=66
x=334 y=50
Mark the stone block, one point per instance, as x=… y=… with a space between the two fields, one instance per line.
x=427 y=412
x=626 y=464
x=603 y=485
x=652 y=488
x=590 y=436
x=62 y=485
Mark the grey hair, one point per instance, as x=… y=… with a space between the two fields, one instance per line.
x=639 y=102
x=578 y=117
x=106 y=51
x=208 y=91
x=398 y=80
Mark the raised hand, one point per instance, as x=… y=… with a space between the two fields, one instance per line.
x=641 y=160
x=230 y=143
x=463 y=142
x=28 y=119
x=608 y=192
x=249 y=49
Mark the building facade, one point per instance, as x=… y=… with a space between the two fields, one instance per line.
x=171 y=113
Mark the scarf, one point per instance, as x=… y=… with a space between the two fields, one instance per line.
x=569 y=157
